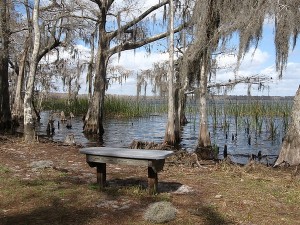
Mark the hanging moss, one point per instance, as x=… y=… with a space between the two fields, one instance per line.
x=215 y=23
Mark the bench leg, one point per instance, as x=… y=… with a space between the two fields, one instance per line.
x=101 y=175
x=152 y=181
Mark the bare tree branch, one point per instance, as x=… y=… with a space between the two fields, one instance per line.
x=133 y=45
x=137 y=19
x=48 y=48
x=254 y=79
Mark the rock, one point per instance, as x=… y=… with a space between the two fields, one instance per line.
x=160 y=212
x=70 y=140
x=42 y=164
x=183 y=189
x=218 y=196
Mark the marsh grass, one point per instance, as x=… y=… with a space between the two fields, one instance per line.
x=114 y=106
x=130 y=107
x=252 y=116
x=78 y=107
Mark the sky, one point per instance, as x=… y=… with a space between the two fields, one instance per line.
x=256 y=61
x=259 y=61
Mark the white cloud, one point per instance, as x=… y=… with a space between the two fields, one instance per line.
x=139 y=60
x=253 y=59
x=286 y=86
x=251 y=65
x=261 y=62
x=128 y=88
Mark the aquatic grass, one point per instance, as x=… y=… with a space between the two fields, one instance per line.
x=130 y=107
x=214 y=114
x=247 y=123
x=251 y=115
x=256 y=108
x=272 y=128
x=77 y=107
x=114 y=106
x=259 y=126
x=285 y=122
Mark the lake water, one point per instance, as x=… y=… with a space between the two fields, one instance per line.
x=121 y=132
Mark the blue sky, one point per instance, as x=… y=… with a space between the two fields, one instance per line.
x=262 y=61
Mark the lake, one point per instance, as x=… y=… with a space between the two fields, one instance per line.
x=241 y=142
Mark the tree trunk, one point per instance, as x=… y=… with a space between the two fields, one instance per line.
x=182 y=105
x=90 y=69
x=182 y=101
x=172 y=131
x=17 y=110
x=177 y=114
x=29 y=132
x=69 y=90
x=204 y=149
x=5 y=113
x=204 y=139
x=94 y=118
x=290 y=149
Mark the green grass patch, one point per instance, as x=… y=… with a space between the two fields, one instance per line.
x=4 y=169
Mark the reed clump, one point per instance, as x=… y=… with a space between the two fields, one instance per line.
x=114 y=106
x=128 y=107
x=77 y=107
x=253 y=116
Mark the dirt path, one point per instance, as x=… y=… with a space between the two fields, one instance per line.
x=61 y=190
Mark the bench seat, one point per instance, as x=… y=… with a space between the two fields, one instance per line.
x=153 y=159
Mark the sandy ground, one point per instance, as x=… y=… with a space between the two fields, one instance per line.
x=64 y=191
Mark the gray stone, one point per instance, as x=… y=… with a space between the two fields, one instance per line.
x=160 y=212
x=183 y=189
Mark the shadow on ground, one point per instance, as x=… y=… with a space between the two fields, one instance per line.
x=210 y=215
x=56 y=213
x=142 y=183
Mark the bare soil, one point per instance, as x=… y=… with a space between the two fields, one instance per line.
x=66 y=191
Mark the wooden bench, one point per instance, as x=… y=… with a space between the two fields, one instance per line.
x=153 y=159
